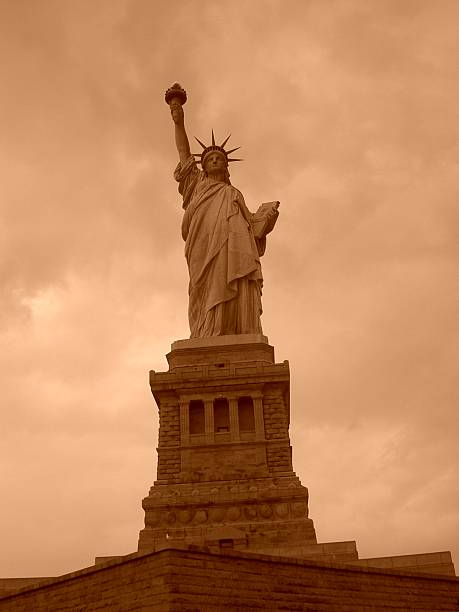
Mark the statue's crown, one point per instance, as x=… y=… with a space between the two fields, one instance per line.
x=215 y=147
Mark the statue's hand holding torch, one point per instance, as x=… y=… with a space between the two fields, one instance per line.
x=176 y=98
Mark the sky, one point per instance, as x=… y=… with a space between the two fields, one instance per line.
x=347 y=112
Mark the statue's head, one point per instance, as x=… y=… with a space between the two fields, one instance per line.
x=214 y=159
x=215 y=165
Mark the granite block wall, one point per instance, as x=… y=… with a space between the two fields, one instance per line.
x=196 y=580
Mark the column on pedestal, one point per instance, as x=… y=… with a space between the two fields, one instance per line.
x=234 y=419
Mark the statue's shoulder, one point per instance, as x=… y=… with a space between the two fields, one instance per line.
x=187 y=169
x=237 y=195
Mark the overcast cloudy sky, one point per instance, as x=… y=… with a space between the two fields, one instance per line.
x=348 y=113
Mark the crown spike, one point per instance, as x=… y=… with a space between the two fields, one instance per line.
x=214 y=147
x=202 y=145
x=224 y=143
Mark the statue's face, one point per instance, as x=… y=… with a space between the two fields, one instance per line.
x=215 y=163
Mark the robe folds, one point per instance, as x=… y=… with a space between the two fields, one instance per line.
x=222 y=254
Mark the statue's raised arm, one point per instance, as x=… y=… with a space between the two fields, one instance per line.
x=224 y=240
x=176 y=98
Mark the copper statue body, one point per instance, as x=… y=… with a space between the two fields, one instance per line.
x=223 y=239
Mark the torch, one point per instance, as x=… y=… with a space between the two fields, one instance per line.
x=177 y=92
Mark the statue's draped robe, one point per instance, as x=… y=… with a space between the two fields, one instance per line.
x=222 y=254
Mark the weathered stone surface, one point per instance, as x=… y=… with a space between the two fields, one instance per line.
x=218 y=350
x=172 y=580
x=430 y=563
x=227 y=479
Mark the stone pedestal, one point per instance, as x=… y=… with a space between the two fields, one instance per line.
x=225 y=476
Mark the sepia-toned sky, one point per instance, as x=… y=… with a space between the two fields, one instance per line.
x=347 y=112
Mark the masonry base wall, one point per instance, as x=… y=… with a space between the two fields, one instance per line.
x=197 y=580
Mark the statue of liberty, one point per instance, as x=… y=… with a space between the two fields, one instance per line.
x=223 y=239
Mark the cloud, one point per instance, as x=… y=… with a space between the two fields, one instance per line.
x=346 y=113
